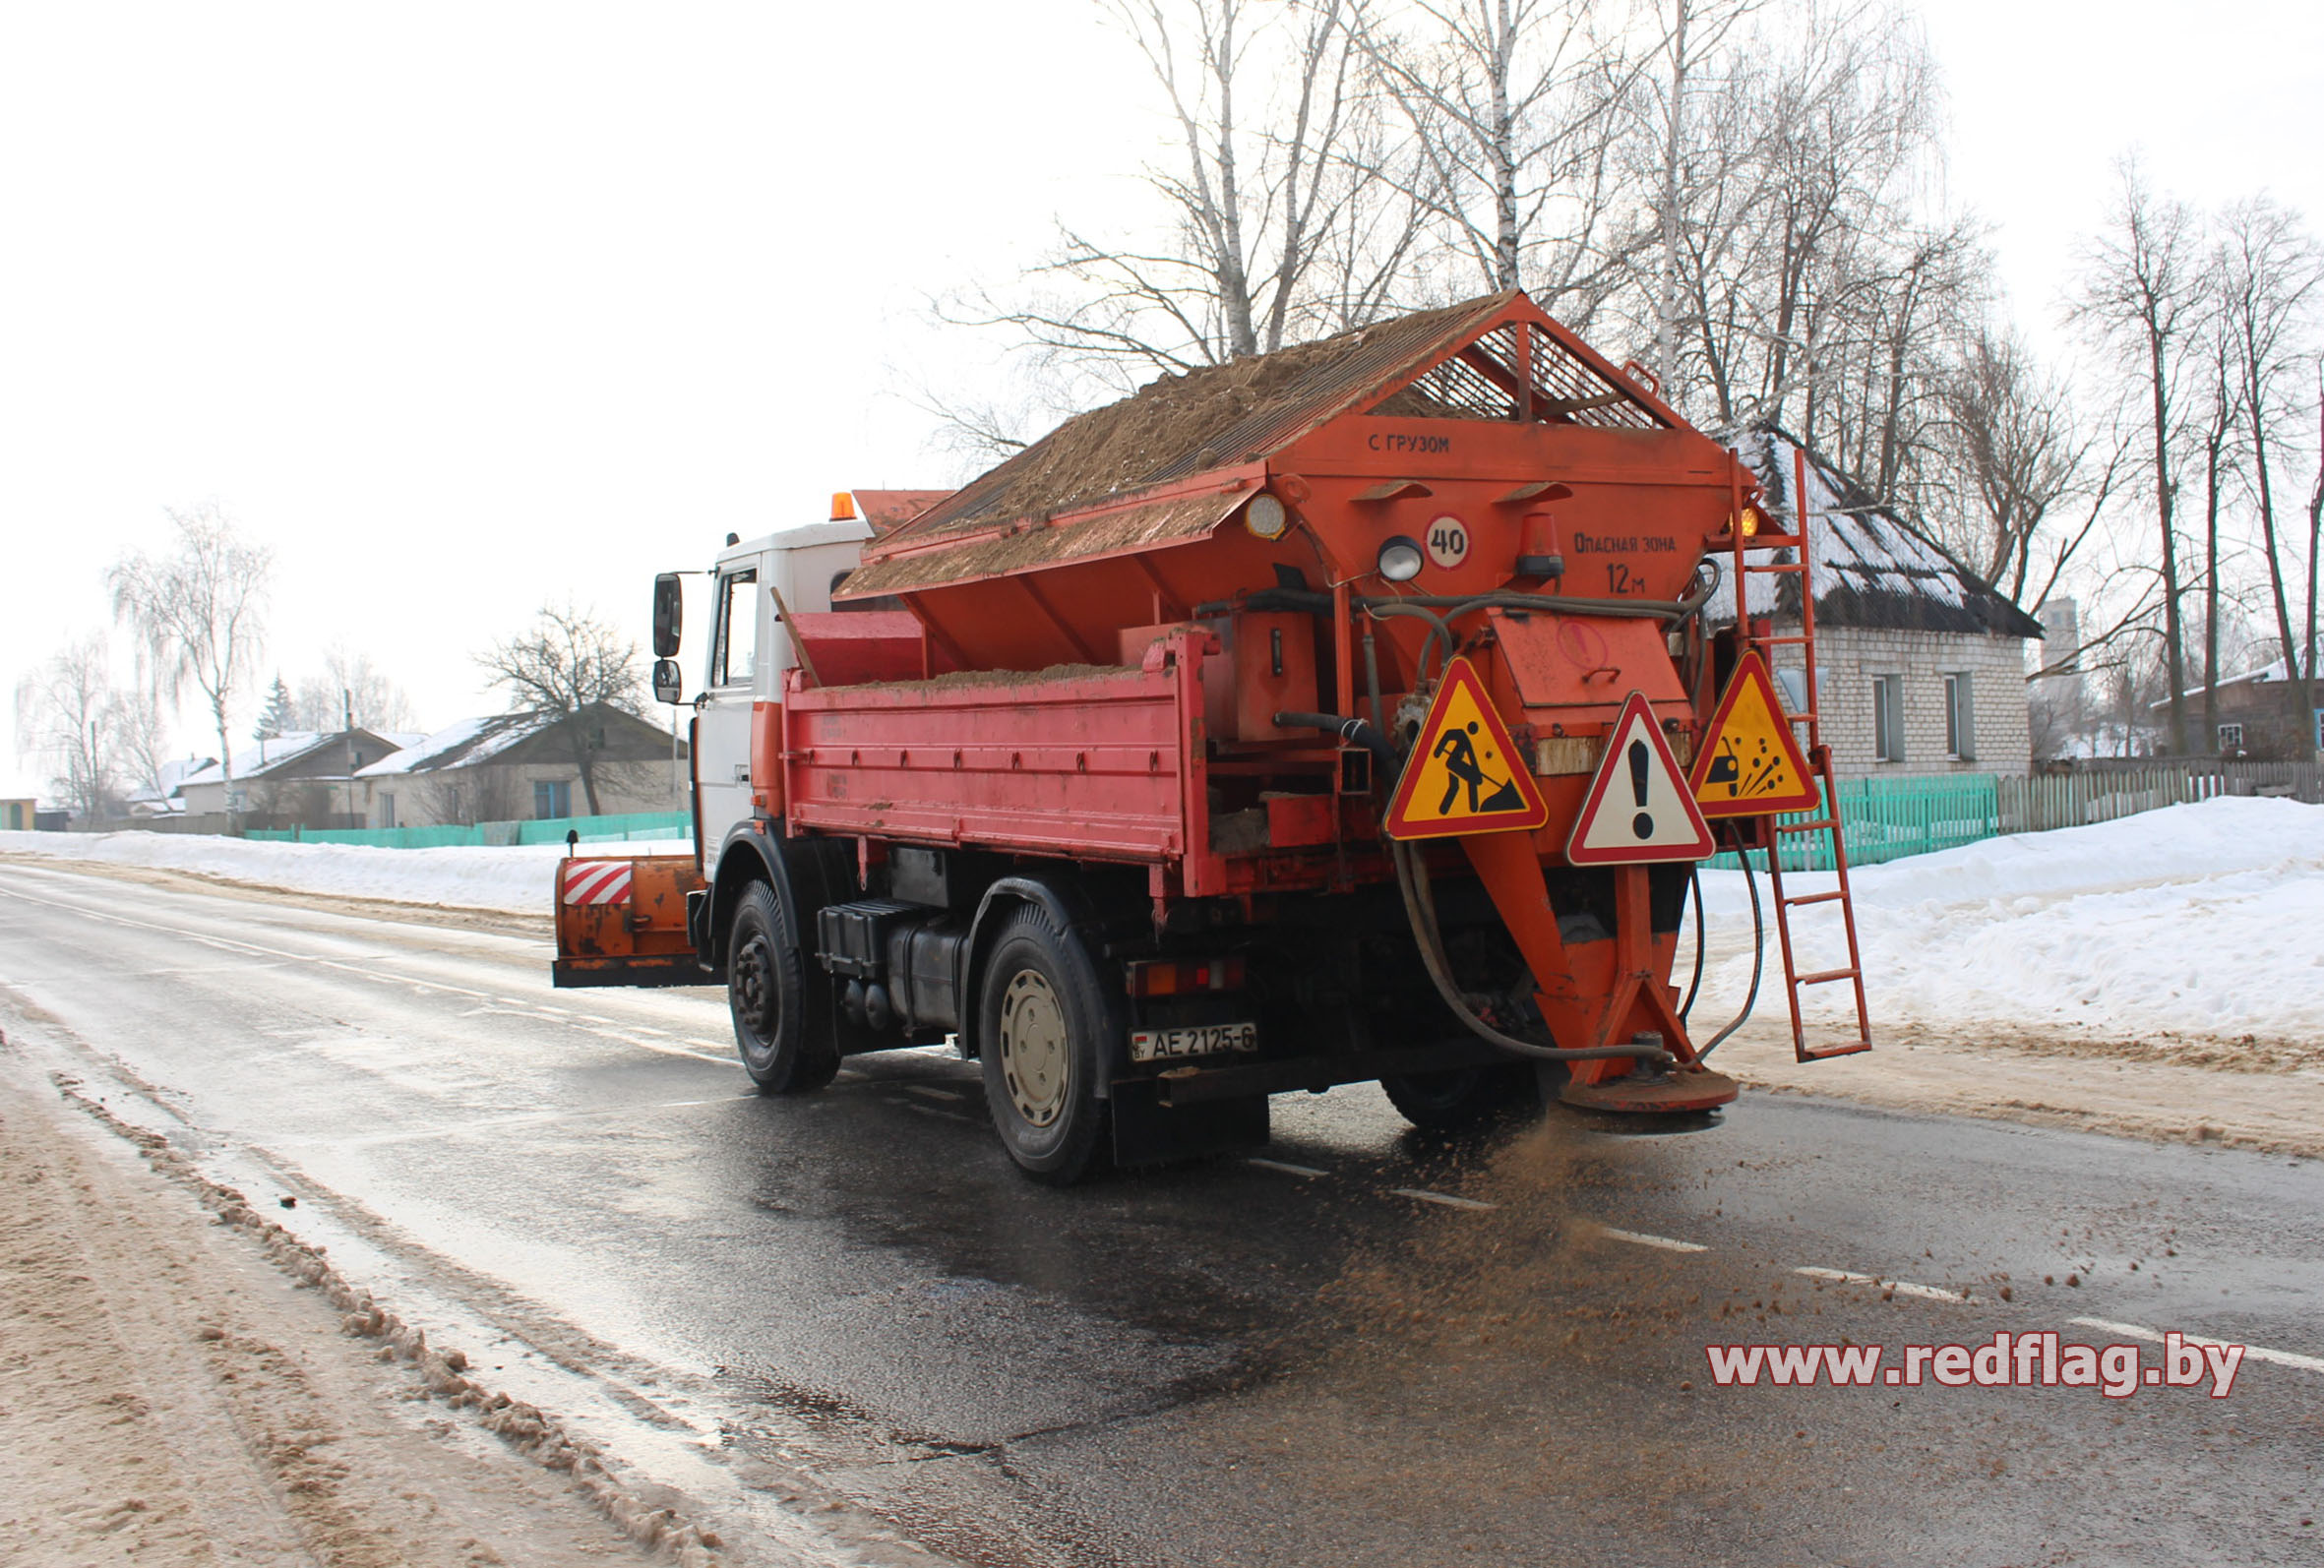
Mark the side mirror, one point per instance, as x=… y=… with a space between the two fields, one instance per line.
x=669 y=614
x=669 y=684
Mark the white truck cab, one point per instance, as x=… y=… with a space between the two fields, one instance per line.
x=749 y=651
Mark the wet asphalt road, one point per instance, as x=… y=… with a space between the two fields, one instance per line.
x=1297 y=1362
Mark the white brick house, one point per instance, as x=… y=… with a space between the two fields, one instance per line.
x=1921 y=665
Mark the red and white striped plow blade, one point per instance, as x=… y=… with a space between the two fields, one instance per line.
x=596 y=882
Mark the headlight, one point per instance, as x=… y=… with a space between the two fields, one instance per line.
x=1400 y=559
x=1265 y=516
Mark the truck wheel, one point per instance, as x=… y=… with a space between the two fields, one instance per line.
x=1466 y=1096
x=782 y=1049
x=1041 y=1022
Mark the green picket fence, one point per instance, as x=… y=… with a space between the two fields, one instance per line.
x=1888 y=818
x=630 y=826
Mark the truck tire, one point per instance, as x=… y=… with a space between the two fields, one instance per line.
x=1041 y=1022
x=786 y=1048
x=1465 y=1098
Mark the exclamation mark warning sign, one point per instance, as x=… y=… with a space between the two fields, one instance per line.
x=1638 y=808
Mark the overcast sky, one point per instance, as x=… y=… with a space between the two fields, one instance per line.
x=462 y=308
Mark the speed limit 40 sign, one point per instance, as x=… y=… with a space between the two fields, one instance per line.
x=1449 y=542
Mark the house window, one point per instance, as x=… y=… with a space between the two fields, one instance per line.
x=1960 y=719
x=2231 y=736
x=551 y=798
x=386 y=810
x=1889 y=718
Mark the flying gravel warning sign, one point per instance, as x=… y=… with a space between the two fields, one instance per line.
x=1638 y=808
x=1749 y=763
x=1464 y=774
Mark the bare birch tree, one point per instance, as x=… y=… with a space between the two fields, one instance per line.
x=1693 y=34
x=1263 y=102
x=142 y=730
x=2011 y=435
x=200 y=614
x=2138 y=294
x=350 y=690
x=65 y=716
x=1514 y=107
x=2273 y=278
x=2219 y=420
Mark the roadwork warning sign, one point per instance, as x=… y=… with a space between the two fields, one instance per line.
x=1638 y=808
x=1464 y=774
x=1749 y=763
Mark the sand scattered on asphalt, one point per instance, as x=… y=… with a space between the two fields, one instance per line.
x=169 y=1397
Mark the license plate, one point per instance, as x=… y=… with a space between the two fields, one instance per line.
x=1197 y=1039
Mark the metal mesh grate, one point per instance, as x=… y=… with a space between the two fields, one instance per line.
x=1481 y=383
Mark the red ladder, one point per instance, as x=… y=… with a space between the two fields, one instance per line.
x=1759 y=636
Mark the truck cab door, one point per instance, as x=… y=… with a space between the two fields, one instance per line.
x=730 y=689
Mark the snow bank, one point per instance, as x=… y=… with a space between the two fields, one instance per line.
x=2199 y=919
x=2202 y=920
x=518 y=877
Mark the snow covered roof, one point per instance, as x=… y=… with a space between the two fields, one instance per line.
x=1872 y=568
x=462 y=744
x=253 y=761
x=2265 y=674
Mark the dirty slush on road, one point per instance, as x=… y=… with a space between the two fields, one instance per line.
x=178 y=1387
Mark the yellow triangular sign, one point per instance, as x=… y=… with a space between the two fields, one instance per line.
x=1749 y=763
x=1638 y=810
x=1464 y=774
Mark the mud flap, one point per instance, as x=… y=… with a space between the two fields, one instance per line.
x=1148 y=1132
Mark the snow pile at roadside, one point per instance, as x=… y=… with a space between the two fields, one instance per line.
x=2198 y=920
x=2203 y=920
x=518 y=877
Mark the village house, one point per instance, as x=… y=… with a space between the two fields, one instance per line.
x=2254 y=718
x=1921 y=665
x=534 y=767
x=302 y=780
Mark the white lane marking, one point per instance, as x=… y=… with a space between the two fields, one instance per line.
x=1926 y=1292
x=724 y=1048
x=1641 y=1238
x=1286 y=1166
x=724 y=1099
x=1445 y=1198
x=641 y=1029
x=930 y=1092
x=2254 y=1352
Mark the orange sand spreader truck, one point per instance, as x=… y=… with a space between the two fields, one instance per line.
x=1338 y=714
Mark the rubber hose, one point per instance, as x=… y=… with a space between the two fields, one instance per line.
x=1421 y=912
x=1694 y=985
x=1758 y=954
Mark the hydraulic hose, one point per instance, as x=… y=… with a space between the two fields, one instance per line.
x=1758 y=955
x=1695 y=896
x=1412 y=880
